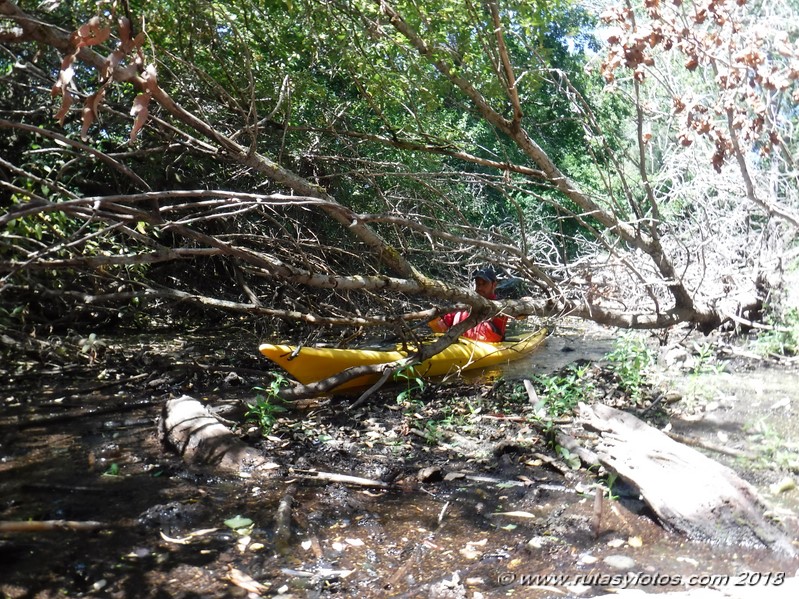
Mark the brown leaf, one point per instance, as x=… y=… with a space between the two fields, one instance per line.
x=139 y=110
x=138 y=41
x=245 y=581
x=86 y=29
x=66 y=102
x=782 y=46
x=98 y=37
x=90 y=108
x=111 y=62
x=91 y=33
x=124 y=30
x=150 y=77
x=64 y=78
x=655 y=38
x=88 y=119
x=718 y=161
x=701 y=126
x=700 y=17
x=67 y=62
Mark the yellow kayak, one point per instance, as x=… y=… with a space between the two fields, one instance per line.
x=312 y=364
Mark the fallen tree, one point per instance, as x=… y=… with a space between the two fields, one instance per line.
x=201 y=440
x=637 y=253
x=688 y=492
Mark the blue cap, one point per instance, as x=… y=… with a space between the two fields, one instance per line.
x=487 y=274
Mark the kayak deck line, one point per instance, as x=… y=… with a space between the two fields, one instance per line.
x=313 y=364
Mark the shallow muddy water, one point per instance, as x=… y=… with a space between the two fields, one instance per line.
x=490 y=514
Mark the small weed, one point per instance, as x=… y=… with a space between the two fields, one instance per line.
x=783 y=340
x=414 y=384
x=91 y=346
x=773 y=451
x=432 y=432
x=704 y=360
x=265 y=412
x=567 y=456
x=563 y=391
x=610 y=482
x=15 y=316
x=630 y=360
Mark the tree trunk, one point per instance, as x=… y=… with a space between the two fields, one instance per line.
x=689 y=492
x=188 y=427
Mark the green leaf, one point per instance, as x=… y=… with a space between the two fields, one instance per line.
x=113 y=470
x=237 y=522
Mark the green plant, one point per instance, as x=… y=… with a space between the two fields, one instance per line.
x=432 y=432
x=572 y=460
x=266 y=409
x=704 y=360
x=15 y=316
x=414 y=384
x=783 y=338
x=563 y=391
x=630 y=360
x=772 y=449
x=91 y=345
x=610 y=482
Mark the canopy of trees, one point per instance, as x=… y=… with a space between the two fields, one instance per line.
x=347 y=163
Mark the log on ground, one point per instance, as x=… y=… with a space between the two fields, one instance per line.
x=689 y=492
x=188 y=427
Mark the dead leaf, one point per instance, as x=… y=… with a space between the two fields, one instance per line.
x=189 y=537
x=514 y=514
x=140 y=111
x=91 y=34
x=124 y=30
x=243 y=542
x=66 y=102
x=111 y=62
x=245 y=581
x=90 y=107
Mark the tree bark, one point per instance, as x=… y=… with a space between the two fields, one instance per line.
x=689 y=492
x=201 y=440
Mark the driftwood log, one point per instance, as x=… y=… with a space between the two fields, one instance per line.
x=689 y=492
x=188 y=427
x=202 y=440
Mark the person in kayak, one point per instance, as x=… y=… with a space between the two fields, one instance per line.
x=493 y=330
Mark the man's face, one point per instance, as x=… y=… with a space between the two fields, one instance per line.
x=485 y=288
